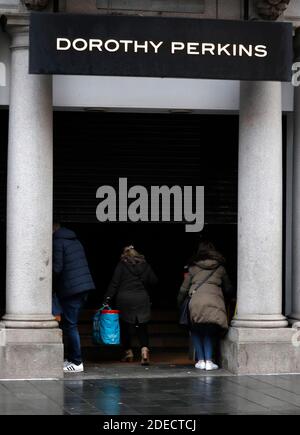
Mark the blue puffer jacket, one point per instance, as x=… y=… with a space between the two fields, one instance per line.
x=71 y=271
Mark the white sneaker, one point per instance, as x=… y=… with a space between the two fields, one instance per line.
x=211 y=366
x=73 y=368
x=200 y=365
x=66 y=362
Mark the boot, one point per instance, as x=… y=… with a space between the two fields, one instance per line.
x=128 y=356
x=145 y=356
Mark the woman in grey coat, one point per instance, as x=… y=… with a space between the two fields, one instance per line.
x=206 y=283
x=132 y=278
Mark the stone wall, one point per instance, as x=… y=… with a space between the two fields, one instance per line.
x=228 y=9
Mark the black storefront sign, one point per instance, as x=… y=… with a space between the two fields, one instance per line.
x=160 y=47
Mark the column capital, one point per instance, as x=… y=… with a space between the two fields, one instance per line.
x=36 y=5
x=19 y=37
x=17 y=27
x=271 y=9
x=14 y=19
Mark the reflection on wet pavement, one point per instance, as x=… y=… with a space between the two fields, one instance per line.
x=154 y=396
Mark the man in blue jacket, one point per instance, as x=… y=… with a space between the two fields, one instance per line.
x=72 y=281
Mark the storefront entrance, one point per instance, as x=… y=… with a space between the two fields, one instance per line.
x=94 y=149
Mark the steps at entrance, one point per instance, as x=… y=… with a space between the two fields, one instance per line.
x=165 y=336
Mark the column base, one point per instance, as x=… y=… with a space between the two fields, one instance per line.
x=248 y=351
x=31 y=353
x=294 y=318
x=260 y=321
x=27 y=321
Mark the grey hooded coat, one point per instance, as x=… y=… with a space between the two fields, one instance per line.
x=207 y=305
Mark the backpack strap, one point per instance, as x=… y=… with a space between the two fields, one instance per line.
x=199 y=284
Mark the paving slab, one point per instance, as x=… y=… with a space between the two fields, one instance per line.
x=157 y=390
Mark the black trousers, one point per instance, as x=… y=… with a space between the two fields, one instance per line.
x=128 y=332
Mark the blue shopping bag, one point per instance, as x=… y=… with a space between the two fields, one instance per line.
x=106 y=327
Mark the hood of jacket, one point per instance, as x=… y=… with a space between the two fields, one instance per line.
x=208 y=264
x=210 y=260
x=140 y=259
x=211 y=263
x=137 y=268
x=64 y=233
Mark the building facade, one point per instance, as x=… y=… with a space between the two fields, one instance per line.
x=262 y=338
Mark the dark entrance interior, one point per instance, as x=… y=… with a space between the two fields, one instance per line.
x=95 y=149
x=92 y=149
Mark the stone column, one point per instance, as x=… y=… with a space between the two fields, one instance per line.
x=258 y=341
x=32 y=345
x=29 y=194
x=295 y=315
x=260 y=207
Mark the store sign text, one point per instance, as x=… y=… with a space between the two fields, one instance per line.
x=152 y=47
x=160 y=47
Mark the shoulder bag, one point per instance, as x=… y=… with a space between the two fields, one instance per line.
x=184 y=314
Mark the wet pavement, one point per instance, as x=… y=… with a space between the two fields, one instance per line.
x=158 y=390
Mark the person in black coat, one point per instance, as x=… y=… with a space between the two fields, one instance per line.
x=72 y=281
x=131 y=280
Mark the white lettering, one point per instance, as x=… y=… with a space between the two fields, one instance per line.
x=61 y=41
x=192 y=48
x=80 y=44
x=120 y=425
x=114 y=43
x=223 y=49
x=176 y=46
x=126 y=43
x=208 y=47
x=156 y=46
x=138 y=46
x=95 y=43
x=261 y=51
x=243 y=49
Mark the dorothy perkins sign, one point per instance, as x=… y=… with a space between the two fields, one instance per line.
x=160 y=47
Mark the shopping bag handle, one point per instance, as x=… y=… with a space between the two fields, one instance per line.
x=105 y=307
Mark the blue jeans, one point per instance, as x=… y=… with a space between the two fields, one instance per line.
x=203 y=345
x=56 y=306
x=70 y=314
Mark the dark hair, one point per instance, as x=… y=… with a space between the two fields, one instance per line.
x=58 y=217
x=207 y=251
